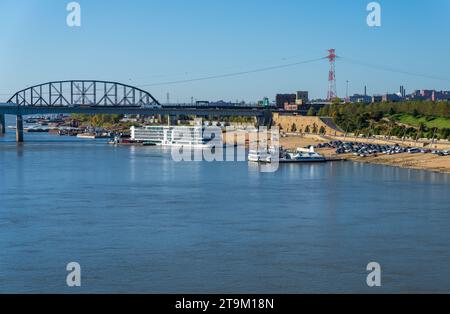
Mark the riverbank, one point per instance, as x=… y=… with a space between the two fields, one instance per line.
x=412 y=161
x=428 y=162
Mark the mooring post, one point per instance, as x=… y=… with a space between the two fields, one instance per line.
x=2 y=124
x=19 y=129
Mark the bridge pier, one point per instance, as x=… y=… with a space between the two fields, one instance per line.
x=19 y=129
x=265 y=120
x=172 y=120
x=2 y=124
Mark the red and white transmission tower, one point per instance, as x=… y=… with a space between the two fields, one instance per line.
x=332 y=75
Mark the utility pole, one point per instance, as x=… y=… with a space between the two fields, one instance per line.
x=346 y=93
x=332 y=75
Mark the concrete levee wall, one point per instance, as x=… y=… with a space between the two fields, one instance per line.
x=306 y=124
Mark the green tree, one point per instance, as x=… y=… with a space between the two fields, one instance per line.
x=307 y=129
x=336 y=101
x=392 y=111
x=311 y=112
x=320 y=113
x=294 y=128
x=422 y=127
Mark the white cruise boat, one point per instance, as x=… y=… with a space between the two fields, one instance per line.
x=190 y=136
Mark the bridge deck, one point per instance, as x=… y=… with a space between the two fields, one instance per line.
x=32 y=110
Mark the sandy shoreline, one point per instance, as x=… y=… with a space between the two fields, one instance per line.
x=428 y=162
x=418 y=161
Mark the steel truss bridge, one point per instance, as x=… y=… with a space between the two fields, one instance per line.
x=102 y=97
x=83 y=93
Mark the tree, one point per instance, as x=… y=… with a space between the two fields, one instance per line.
x=326 y=110
x=378 y=115
x=311 y=112
x=422 y=127
x=307 y=129
x=336 y=101
x=294 y=128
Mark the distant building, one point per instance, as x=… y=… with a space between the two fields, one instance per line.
x=357 y=98
x=301 y=98
x=265 y=102
x=417 y=95
x=290 y=107
x=377 y=98
x=439 y=96
x=391 y=98
x=281 y=99
x=402 y=91
x=424 y=94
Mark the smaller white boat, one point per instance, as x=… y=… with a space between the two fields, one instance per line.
x=303 y=155
x=258 y=156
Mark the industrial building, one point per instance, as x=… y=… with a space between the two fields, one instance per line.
x=300 y=98
x=281 y=99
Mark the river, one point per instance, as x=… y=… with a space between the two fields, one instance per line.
x=137 y=221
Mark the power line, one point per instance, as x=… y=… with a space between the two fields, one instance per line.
x=229 y=68
x=287 y=65
x=393 y=70
x=205 y=78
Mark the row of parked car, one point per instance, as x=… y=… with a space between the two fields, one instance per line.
x=365 y=149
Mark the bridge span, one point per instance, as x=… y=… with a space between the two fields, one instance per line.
x=15 y=110
x=101 y=97
x=263 y=116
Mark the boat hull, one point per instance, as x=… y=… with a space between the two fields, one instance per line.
x=306 y=160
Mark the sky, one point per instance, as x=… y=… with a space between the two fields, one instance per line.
x=148 y=42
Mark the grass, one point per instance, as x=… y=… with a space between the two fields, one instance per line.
x=430 y=122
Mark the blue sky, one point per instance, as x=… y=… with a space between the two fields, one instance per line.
x=144 y=42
